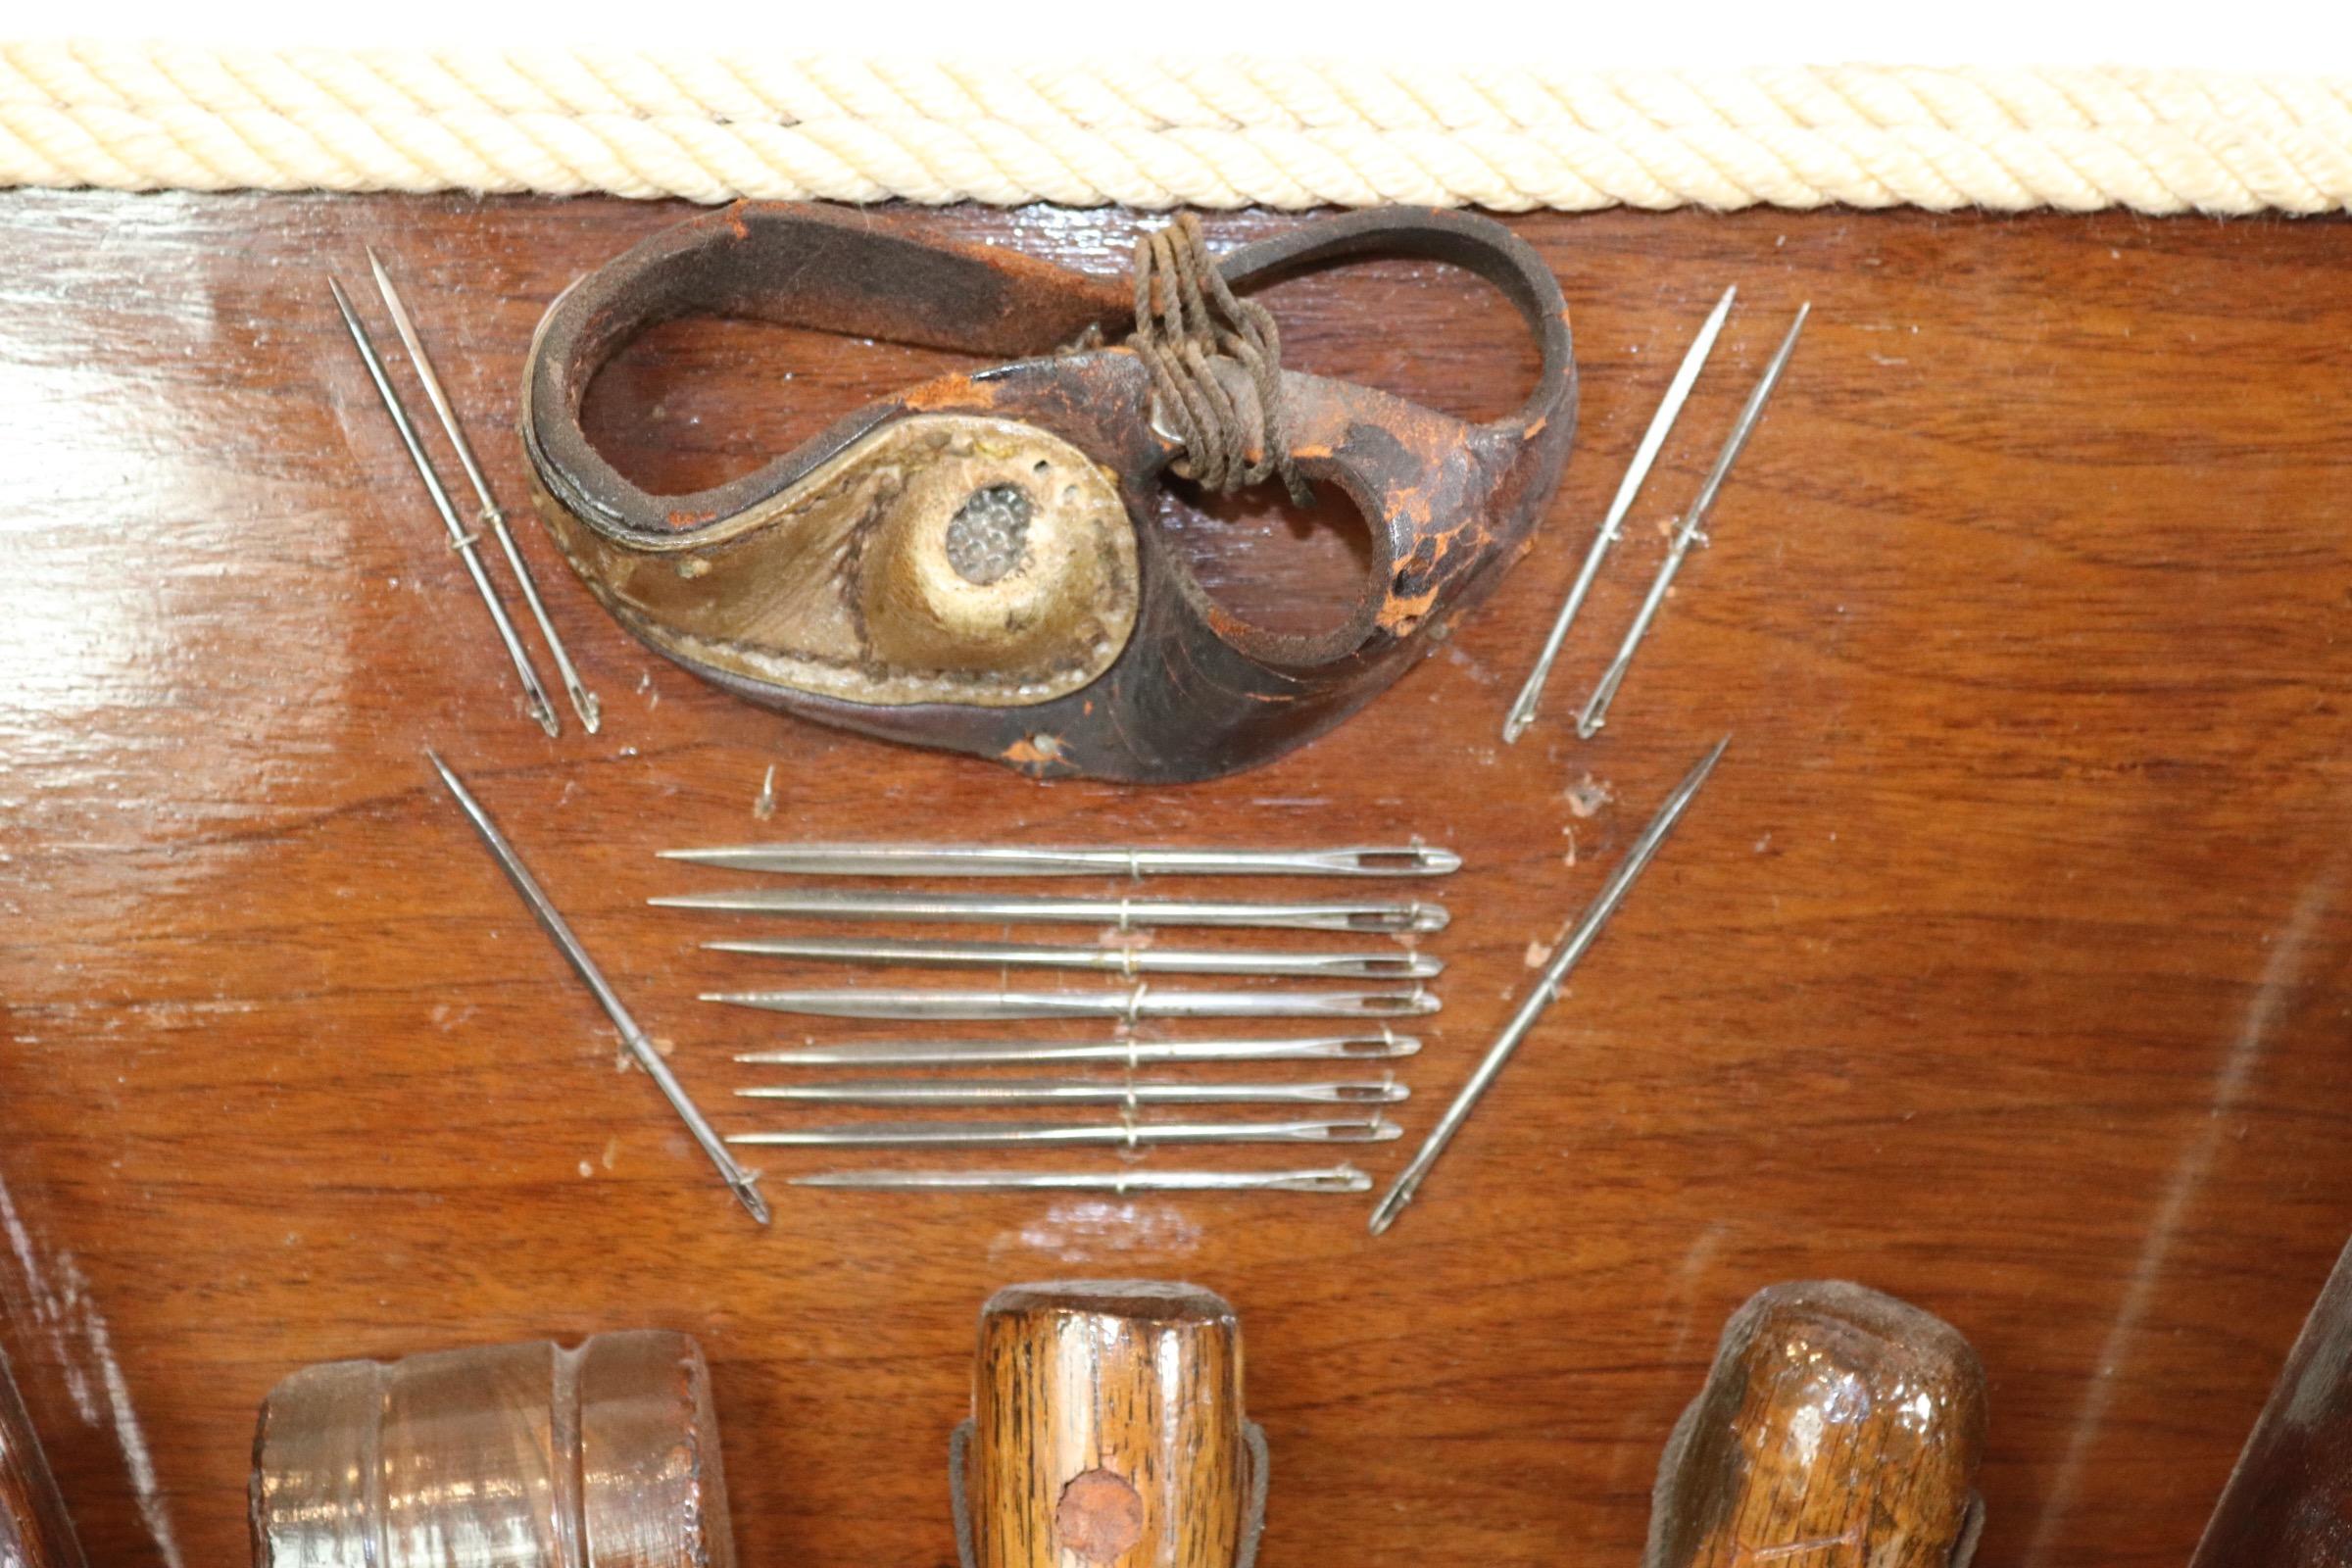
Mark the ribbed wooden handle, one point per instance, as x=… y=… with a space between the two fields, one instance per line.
x=1109 y=1429
x=1838 y=1426
x=34 y=1528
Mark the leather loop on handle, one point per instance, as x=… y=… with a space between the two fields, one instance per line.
x=33 y=1528
x=1107 y=1432
x=1838 y=1425
x=830 y=269
x=1478 y=245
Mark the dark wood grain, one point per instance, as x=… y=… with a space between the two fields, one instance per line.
x=2002 y=966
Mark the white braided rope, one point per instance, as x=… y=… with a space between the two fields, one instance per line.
x=1207 y=134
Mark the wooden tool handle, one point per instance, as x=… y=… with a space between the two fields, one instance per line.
x=1107 y=1431
x=2288 y=1503
x=512 y=1457
x=34 y=1528
x=1838 y=1426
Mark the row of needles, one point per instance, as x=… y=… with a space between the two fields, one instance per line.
x=1131 y=1133
x=1324 y=1112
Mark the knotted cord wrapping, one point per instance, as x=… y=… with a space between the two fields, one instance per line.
x=1185 y=318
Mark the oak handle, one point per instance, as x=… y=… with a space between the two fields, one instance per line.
x=1839 y=1425
x=1108 y=1432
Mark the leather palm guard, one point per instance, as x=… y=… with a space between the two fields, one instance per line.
x=975 y=564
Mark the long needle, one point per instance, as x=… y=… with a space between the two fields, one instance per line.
x=739 y=1181
x=1398 y=965
x=1005 y=859
x=1336 y=1179
x=1126 y=914
x=1131 y=1093
x=1373 y=1129
x=583 y=700
x=1546 y=989
x=1596 y=706
x=1612 y=526
x=534 y=695
x=1126 y=1052
x=1138 y=1001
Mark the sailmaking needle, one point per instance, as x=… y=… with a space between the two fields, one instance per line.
x=1335 y=1179
x=1399 y=964
x=1126 y=1052
x=742 y=1182
x=583 y=700
x=1009 y=859
x=1126 y=914
x=1129 y=1134
x=1138 y=1001
x=1596 y=706
x=534 y=695
x=1131 y=1093
x=1612 y=526
x=1546 y=989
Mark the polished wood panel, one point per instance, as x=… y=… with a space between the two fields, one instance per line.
x=2002 y=966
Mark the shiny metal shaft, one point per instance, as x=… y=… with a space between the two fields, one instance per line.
x=1365 y=916
x=542 y=712
x=739 y=1182
x=1373 y=1129
x=1612 y=526
x=1336 y=1179
x=1596 y=706
x=1382 y=1047
x=995 y=859
x=1017 y=1091
x=583 y=702
x=1546 y=989
x=1140 y=1002
x=1396 y=966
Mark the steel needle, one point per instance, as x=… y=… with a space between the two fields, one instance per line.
x=1131 y=1093
x=1678 y=392
x=1126 y=914
x=1129 y=1134
x=1596 y=706
x=1546 y=989
x=1010 y=860
x=535 y=699
x=1138 y=1001
x=1336 y=1179
x=1129 y=1052
x=1399 y=964
x=739 y=1181
x=583 y=700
